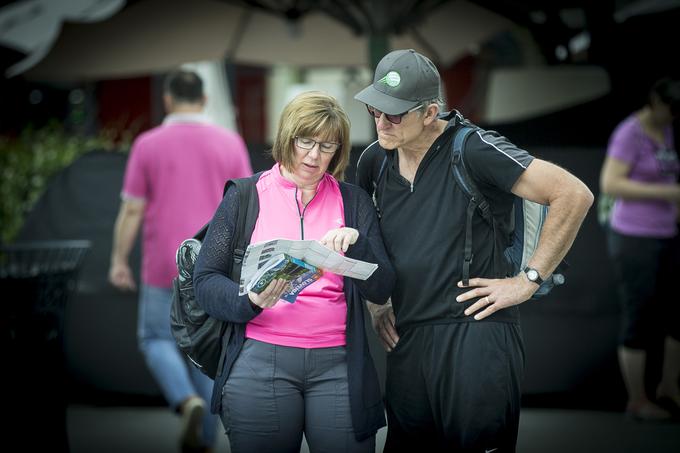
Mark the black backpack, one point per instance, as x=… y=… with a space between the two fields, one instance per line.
x=198 y=335
x=520 y=236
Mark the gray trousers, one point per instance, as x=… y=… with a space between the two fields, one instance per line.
x=274 y=394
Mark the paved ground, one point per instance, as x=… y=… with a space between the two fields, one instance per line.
x=154 y=429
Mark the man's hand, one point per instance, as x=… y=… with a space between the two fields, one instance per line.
x=496 y=294
x=382 y=318
x=120 y=276
x=339 y=239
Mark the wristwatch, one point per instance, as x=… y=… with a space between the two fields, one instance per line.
x=533 y=275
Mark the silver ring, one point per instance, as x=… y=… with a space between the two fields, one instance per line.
x=488 y=300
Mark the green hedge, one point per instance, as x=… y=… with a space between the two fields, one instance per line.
x=27 y=163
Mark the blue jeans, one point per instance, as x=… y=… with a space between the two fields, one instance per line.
x=177 y=379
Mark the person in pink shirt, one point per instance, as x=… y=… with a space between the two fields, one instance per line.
x=173 y=182
x=301 y=367
x=641 y=171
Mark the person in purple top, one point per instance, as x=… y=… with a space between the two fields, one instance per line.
x=641 y=171
x=173 y=182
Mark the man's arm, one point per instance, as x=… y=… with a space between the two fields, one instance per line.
x=569 y=200
x=125 y=232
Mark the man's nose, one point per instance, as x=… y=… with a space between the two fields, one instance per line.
x=382 y=122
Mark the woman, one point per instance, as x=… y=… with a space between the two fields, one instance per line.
x=641 y=171
x=303 y=367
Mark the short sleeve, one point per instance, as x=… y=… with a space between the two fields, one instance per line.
x=624 y=141
x=135 y=182
x=494 y=161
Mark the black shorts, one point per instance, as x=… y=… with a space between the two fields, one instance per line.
x=644 y=270
x=455 y=387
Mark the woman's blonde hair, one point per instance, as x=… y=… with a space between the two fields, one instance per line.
x=313 y=114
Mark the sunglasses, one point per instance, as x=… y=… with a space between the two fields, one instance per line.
x=394 y=119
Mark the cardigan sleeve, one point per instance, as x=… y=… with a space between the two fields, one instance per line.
x=369 y=247
x=215 y=291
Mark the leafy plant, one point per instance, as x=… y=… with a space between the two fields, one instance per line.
x=28 y=162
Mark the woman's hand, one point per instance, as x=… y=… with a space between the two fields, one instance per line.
x=339 y=239
x=271 y=294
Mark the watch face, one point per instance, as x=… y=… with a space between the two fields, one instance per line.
x=532 y=275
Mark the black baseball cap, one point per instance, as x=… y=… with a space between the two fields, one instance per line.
x=403 y=79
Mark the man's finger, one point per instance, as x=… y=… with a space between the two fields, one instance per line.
x=475 y=282
x=392 y=334
x=386 y=340
x=389 y=332
x=477 y=292
x=385 y=346
x=481 y=303
x=491 y=309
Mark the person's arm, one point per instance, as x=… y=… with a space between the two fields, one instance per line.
x=215 y=291
x=382 y=315
x=126 y=228
x=614 y=181
x=569 y=200
x=364 y=242
x=369 y=246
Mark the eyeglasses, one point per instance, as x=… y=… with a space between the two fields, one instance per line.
x=394 y=119
x=324 y=147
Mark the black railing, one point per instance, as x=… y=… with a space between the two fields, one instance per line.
x=36 y=281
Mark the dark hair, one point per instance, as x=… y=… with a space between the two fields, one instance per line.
x=668 y=91
x=184 y=86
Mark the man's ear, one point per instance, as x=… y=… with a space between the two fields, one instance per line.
x=431 y=114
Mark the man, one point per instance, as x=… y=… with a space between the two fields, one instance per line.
x=173 y=183
x=455 y=353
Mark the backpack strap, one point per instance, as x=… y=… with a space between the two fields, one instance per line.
x=462 y=176
x=477 y=201
x=249 y=208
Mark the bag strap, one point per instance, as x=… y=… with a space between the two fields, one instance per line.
x=477 y=201
x=249 y=208
x=462 y=176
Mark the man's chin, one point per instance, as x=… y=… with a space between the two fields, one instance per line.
x=386 y=144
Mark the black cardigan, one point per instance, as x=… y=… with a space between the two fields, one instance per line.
x=218 y=295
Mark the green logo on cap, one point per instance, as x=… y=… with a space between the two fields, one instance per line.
x=391 y=79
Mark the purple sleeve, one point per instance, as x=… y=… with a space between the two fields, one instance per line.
x=624 y=142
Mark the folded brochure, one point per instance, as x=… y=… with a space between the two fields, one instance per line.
x=311 y=252
x=296 y=272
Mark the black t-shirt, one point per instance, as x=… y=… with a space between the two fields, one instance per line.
x=423 y=224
